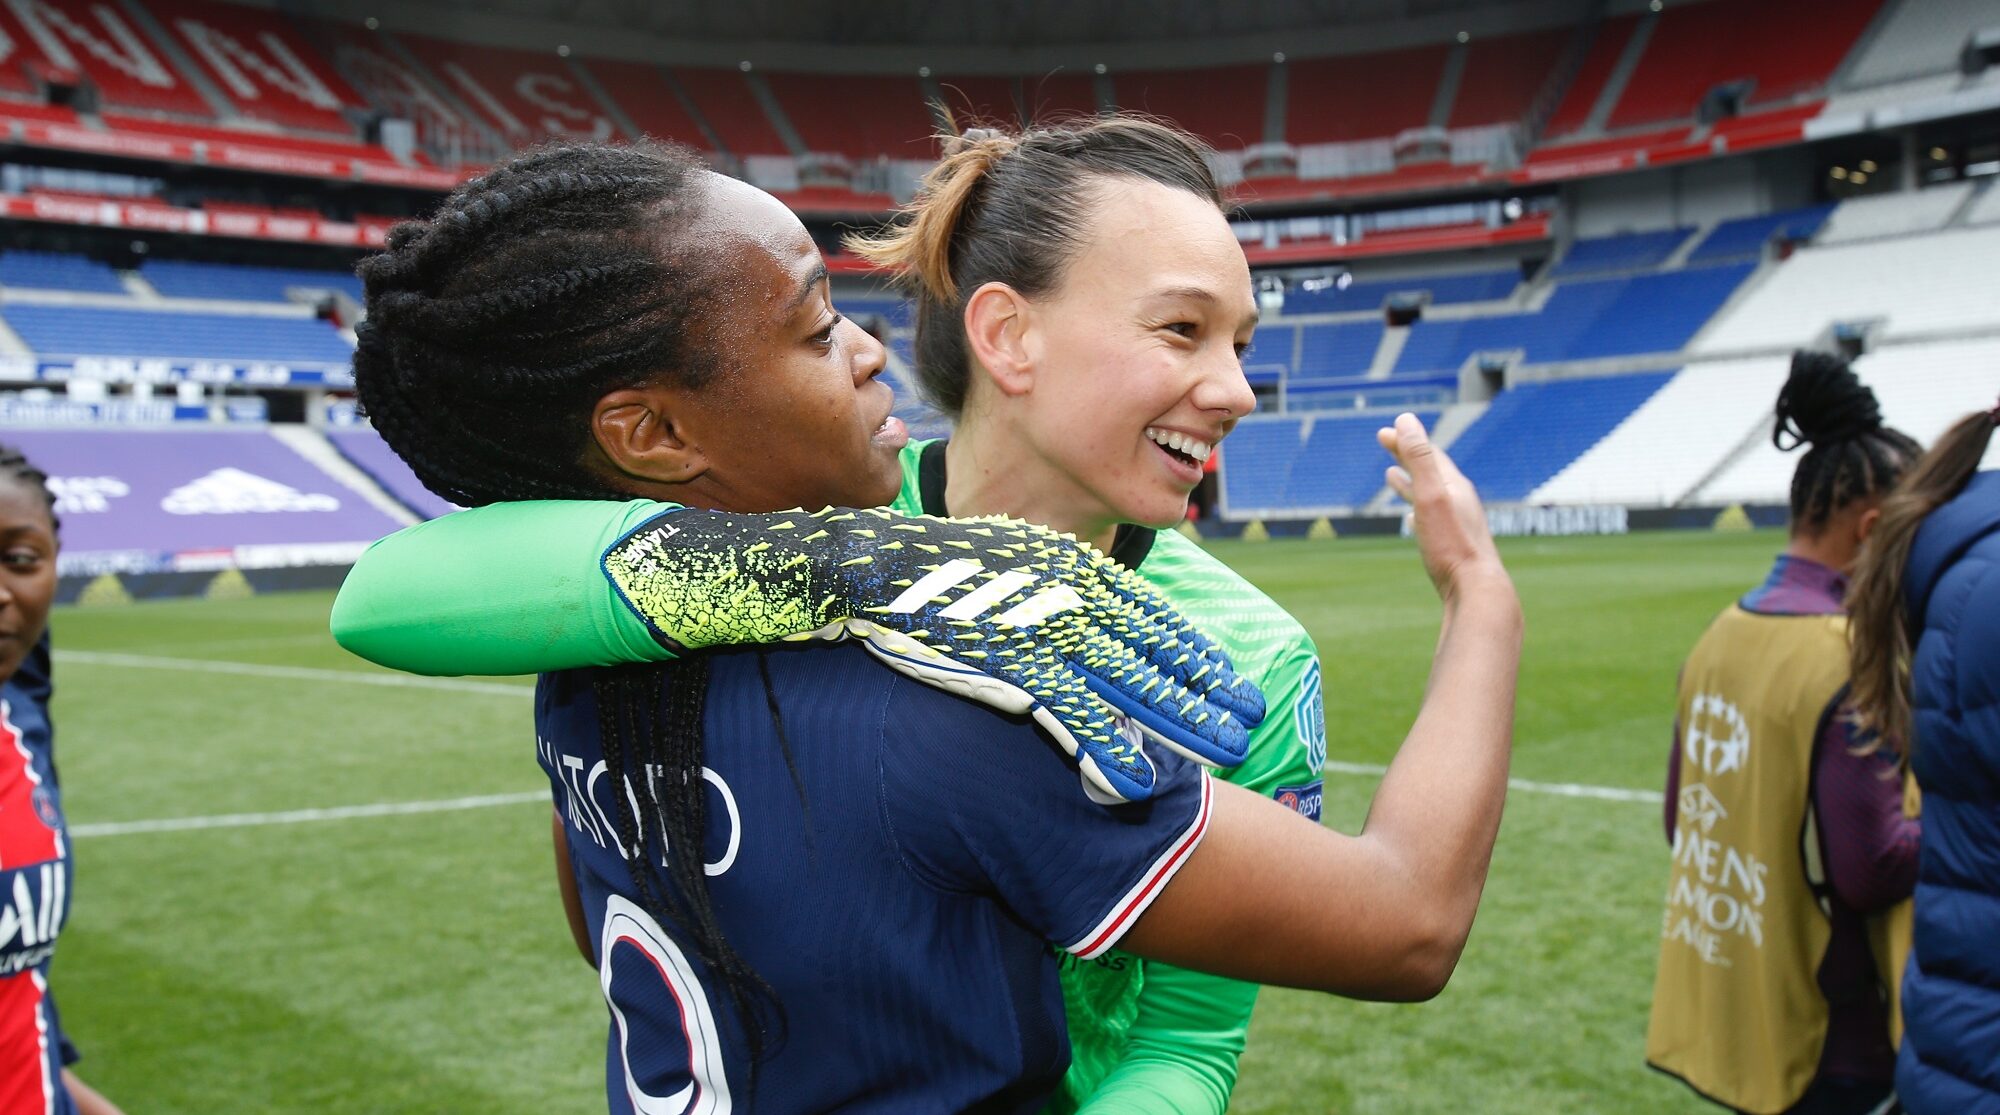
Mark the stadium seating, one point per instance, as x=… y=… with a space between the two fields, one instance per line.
x=858 y=115
x=1361 y=96
x=56 y=271
x=524 y=96
x=1606 y=45
x=1629 y=251
x=1985 y=209
x=1532 y=430
x=202 y=492
x=1670 y=443
x=366 y=450
x=1331 y=351
x=258 y=60
x=897 y=311
x=1369 y=294
x=1897 y=214
x=1923 y=389
x=1341 y=463
x=1746 y=237
x=649 y=101
x=1503 y=75
x=723 y=99
x=1698 y=46
x=979 y=98
x=1919 y=39
x=176 y=278
x=1257 y=462
x=94 y=331
x=101 y=42
x=1222 y=104
x=1934 y=283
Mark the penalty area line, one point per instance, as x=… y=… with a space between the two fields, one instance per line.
x=1523 y=785
x=303 y=816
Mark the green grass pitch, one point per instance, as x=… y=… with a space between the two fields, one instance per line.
x=419 y=963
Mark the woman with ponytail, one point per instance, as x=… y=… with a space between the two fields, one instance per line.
x=1925 y=608
x=1785 y=817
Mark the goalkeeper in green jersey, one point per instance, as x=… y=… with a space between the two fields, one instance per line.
x=1082 y=307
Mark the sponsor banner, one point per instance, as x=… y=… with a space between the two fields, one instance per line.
x=159 y=370
x=154 y=217
x=139 y=500
x=109 y=412
x=1514 y=522
x=240 y=156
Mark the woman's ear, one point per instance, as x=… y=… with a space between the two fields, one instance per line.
x=635 y=430
x=999 y=330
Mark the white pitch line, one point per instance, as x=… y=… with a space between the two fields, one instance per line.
x=1556 y=789
x=302 y=816
x=290 y=673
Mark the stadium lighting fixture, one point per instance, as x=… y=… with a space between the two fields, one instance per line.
x=744 y=65
x=923 y=71
x=1939 y=154
x=1465 y=36
x=1868 y=166
x=1512 y=208
x=1102 y=68
x=1838 y=172
x=1278 y=57
x=1859 y=177
x=371 y=23
x=562 y=50
x=1656 y=5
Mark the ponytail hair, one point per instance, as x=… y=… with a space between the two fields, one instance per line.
x=1878 y=627
x=1853 y=456
x=1012 y=208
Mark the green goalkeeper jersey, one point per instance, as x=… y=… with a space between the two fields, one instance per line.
x=1143 y=1032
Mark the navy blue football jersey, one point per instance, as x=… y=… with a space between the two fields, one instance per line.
x=34 y=895
x=905 y=899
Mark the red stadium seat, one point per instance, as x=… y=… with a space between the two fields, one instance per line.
x=263 y=65
x=1786 y=47
x=102 y=43
x=525 y=96
x=858 y=115
x=1362 y=96
x=333 y=148
x=1058 y=96
x=989 y=100
x=723 y=99
x=1588 y=85
x=1503 y=74
x=641 y=90
x=1223 y=105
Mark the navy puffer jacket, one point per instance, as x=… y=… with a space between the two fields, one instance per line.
x=1950 y=1061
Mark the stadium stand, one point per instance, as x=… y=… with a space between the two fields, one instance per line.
x=103 y=44
x=261 y=63
x=1919 y=39
x=1340 y=465
x=524 y=96
x=57 y=271
x=991 y=99
x=366 y=450
x=1503 y=76
x=1746 y=237
x=1934 y=283
x=858 y=115
x=1923 y=389
x=205 y=492
x=1985 y=209
x=1257 y=463
x=1629 y=251
x=723 y=100
x=1369 y=294
x=1058 y=96
x=1897 y=214
x=896 y=311
x=324 y=147
x=1607 y=44
x=1696 y=47
x=1532 y=430
x=1348 y=349
x=175 y=278
x=1655 y=457
x=649 y=100
x=1224 y=104
x=1361 y=96
x=96 y=331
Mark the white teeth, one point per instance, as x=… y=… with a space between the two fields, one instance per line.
x=1199 y=450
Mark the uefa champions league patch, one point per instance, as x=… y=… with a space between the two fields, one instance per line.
x=1304 y=800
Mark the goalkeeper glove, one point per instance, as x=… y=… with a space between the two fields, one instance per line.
x=1010 y=614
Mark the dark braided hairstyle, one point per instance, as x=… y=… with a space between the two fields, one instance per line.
x=15 y=463
x=493 y=328
x=1853 y=456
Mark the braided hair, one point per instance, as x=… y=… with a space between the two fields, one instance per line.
x=15 y=463
x=1853 y=456
x=492 y=330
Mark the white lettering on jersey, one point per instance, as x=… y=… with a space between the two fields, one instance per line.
x=707 y=1090
x=591 y=814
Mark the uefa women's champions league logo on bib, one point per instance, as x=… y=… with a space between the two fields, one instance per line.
x=1715 y=898
x=1717 y=738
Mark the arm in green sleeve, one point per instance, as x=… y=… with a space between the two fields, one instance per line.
x=1182 y=1050
x=435 y=599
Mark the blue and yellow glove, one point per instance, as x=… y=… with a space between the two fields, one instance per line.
x=1012 y=615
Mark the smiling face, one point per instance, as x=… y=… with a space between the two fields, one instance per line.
x=798 y=416
x=27 y=571
x=1136 y=369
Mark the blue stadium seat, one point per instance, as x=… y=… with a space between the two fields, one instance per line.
x=57 y=271
x=91 y=331
x=1346 y=349
x=1369 y=294
x=1630 y=251
x=896 y=310
x=1746 y=237
x=180 y=278
x=1342 y=463
x=1257 y=461
x=1533 y=430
